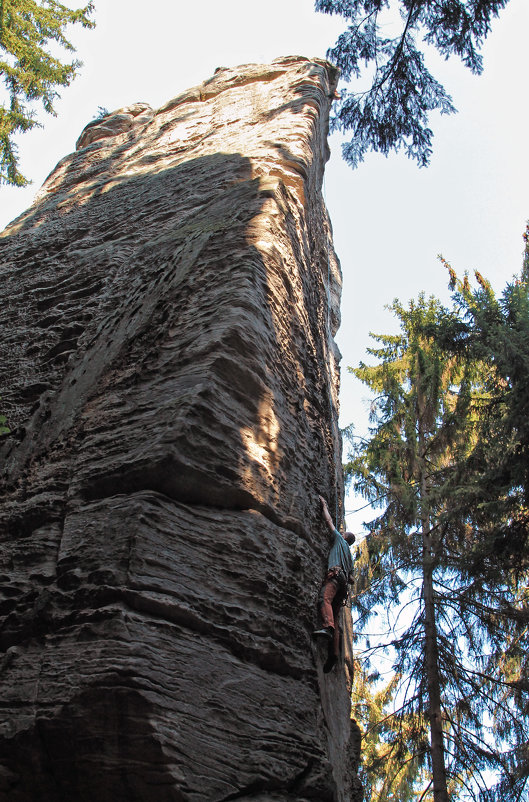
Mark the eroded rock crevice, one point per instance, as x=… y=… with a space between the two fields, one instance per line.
x=170 y=381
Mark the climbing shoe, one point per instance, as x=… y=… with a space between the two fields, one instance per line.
x=327 y=632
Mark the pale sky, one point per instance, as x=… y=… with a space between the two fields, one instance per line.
x=390 y=219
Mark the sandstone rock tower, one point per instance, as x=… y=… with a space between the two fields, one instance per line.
x=170 y=380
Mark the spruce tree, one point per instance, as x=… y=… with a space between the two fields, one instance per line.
x=30 y=71
x=495 y=330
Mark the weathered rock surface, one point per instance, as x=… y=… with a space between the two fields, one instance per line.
x=170 y=380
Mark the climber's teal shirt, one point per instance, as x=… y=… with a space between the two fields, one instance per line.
x=340 y=554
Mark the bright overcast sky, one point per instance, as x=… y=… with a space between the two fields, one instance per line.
x=390 y=219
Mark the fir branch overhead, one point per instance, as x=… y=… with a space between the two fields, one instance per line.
x=393 y=113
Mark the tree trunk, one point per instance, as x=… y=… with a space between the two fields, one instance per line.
x=431 y=659
x=440 y=793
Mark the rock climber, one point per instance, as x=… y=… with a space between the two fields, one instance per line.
x=333 y=591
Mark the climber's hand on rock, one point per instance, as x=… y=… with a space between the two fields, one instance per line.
x=326 y=514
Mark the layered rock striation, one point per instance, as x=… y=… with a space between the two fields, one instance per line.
x=170 y=380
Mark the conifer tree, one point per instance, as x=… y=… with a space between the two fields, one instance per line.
x=393 y=112
x=491 y=494
x=424 y=429
x=30 y=71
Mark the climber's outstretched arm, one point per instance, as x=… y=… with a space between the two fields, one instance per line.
x=326 y=514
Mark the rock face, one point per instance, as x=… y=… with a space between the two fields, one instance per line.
x=170 y=381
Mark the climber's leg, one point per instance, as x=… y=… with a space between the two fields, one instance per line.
x=336 y=607
x=326 y=598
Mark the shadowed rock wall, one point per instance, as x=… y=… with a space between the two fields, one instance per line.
x=170 y=380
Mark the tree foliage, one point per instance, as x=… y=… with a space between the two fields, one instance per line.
x=28 y=31
x=392 y=766
x=393 y=113
x=495 y=330
x=494 y=488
